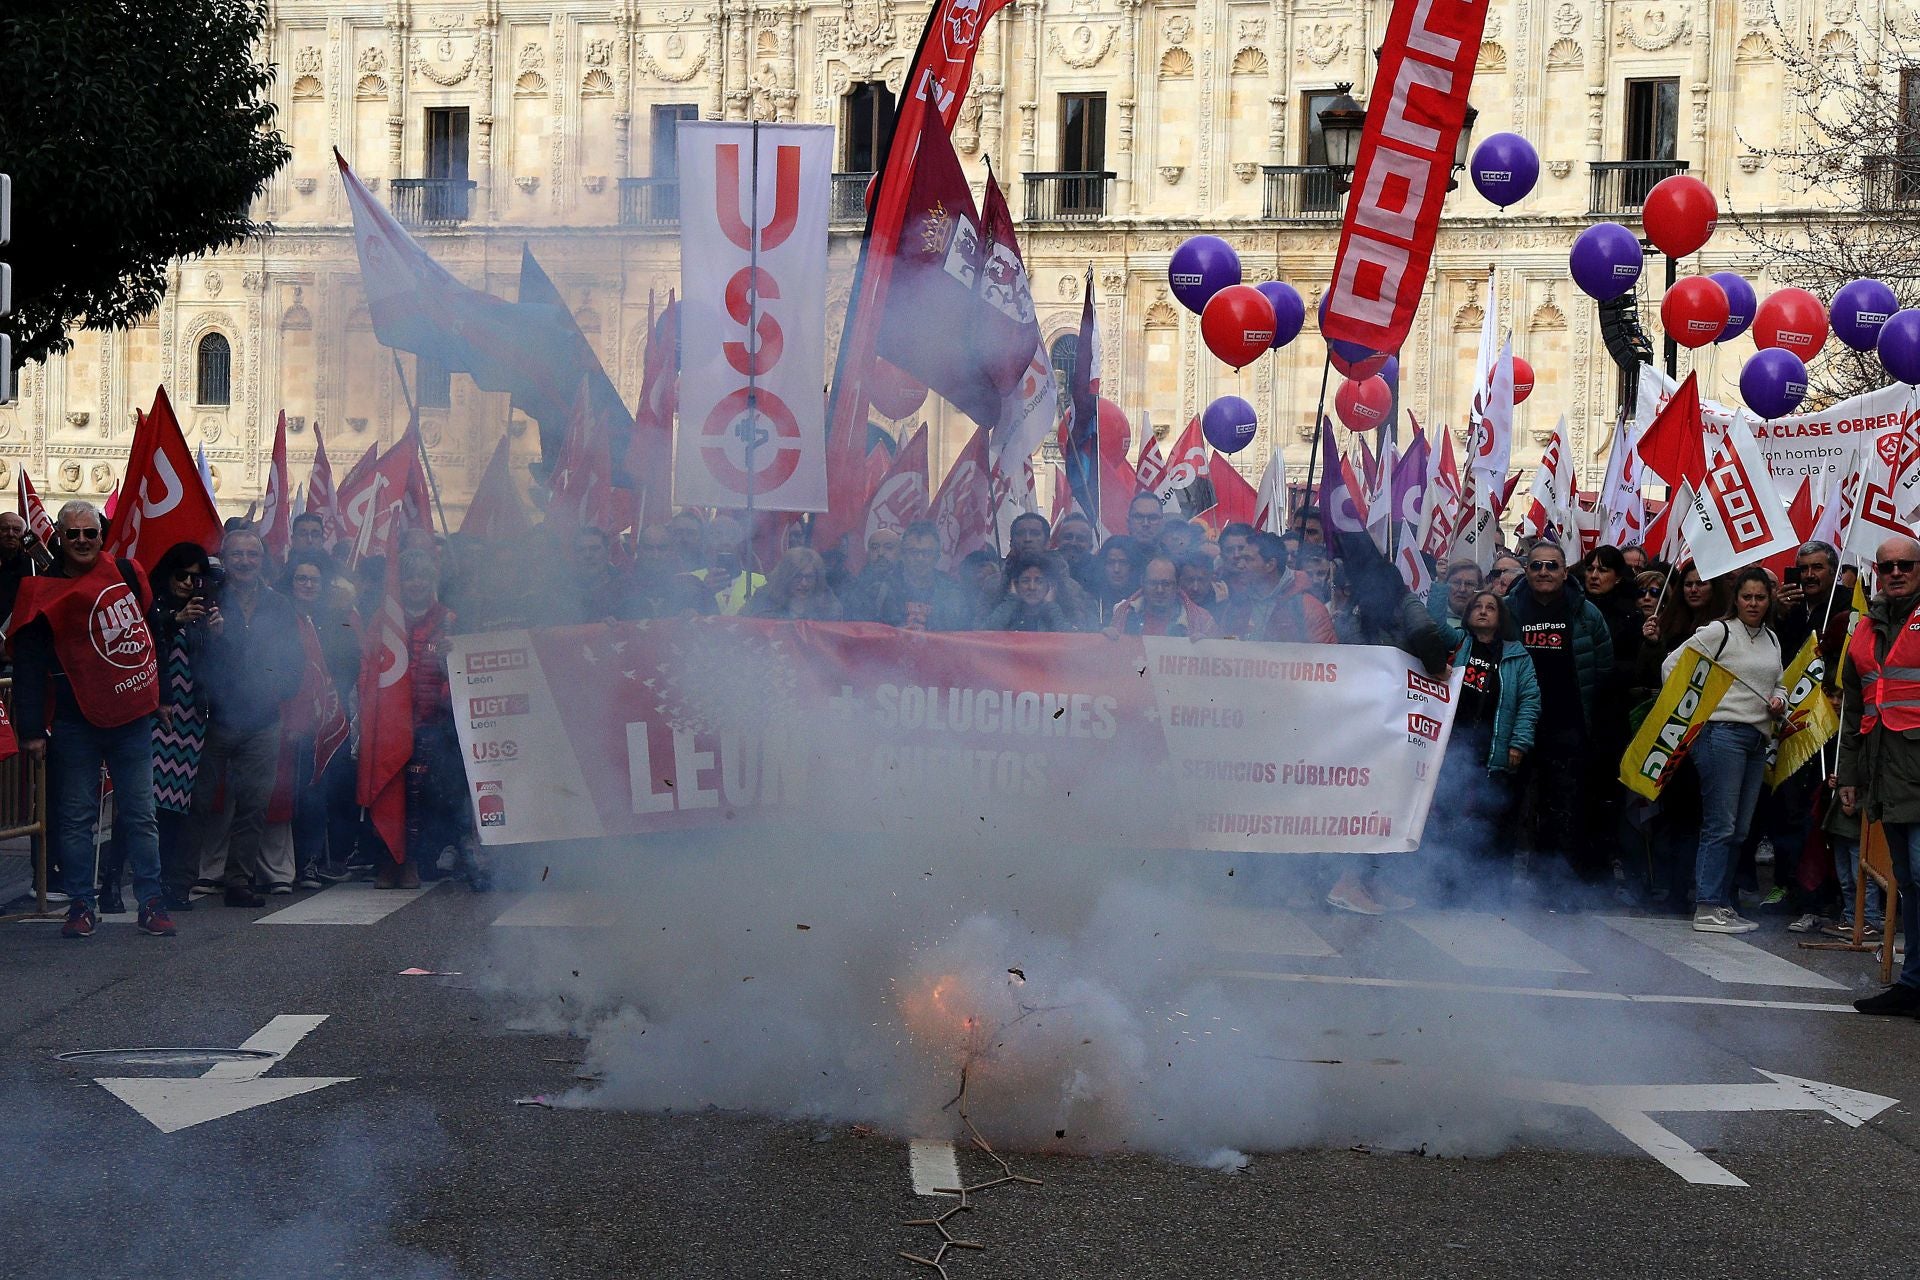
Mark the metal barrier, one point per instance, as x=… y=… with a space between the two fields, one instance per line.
x=23 y=812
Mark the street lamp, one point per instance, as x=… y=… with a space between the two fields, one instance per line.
x=1342 y=122
x=1463 y=146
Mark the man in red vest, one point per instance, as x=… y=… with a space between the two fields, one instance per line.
x=87 y=685
x=1880 y=746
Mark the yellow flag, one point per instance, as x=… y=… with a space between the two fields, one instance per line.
x=1810 y=721
x=1686 y=700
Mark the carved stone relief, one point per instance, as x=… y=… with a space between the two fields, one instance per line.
x=1083 y=47
x=1653 y=28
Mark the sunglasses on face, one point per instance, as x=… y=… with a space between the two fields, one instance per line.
x=1897 y=566
x=193 y=576
x=1645 y=592
x=80 y=535
x=1544 y=566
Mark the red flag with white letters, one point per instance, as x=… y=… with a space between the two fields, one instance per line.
x=1415 y=111
x=165 y=501
x=963 y=510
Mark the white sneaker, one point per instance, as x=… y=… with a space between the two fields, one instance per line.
x=1350 y=895
x=1721 y=920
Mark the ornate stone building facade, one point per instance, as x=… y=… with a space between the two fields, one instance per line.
x=489 y=123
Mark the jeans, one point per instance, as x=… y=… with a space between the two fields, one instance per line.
x=1731 y=760
x=75 y=752
x=1903 y=848
x=309 y=810
x=1846 y=866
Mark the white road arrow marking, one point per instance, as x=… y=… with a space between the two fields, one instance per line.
x=1627 y=1108
x=226 y=1087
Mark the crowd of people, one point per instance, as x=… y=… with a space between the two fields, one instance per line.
x=238 y=779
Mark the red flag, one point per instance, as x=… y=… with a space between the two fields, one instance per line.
x=166 y=502
x=963 y=510
x=1400 y=177
x=941 y=72
x=276 y=521
x=1018 y=358
x=379 y=502
x=112 y=504
x=1673 y=446
x=320 y=495
x=495 y=514
x=933 y=306
x=385 y=504
x=650 y=455
x=1801 y=514
x=32 y=510
x=1234 y=500
x=581 y=487
x=901 y=497
x=1185 y=461
x=1152 y=466
x=346 y=519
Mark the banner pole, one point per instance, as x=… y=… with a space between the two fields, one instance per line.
x=413 y=424
x=750 y=430
x=1319 y=429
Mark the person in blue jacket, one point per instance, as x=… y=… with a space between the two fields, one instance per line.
x=1493 y=732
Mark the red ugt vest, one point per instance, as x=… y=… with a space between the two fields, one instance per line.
x=101 y=639
x=1889 y=692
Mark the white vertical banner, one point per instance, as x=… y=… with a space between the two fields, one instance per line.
x=753 y=279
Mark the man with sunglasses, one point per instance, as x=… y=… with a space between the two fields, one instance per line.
x=1880 y=746
x=1567 y=637
x=87 y=684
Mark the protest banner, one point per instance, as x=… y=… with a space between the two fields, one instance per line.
x=622 y=729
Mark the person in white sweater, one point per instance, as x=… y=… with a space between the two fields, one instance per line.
x=1730 y=755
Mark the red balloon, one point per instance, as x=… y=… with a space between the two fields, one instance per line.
x=1793 y=319
x=1522 y=380
x=1679 y=214
x=893 y=392
x=1372 y=363
x=1365 y=405
x=1238 y=324
x=1694 y=312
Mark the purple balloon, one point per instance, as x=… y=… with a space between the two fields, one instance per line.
x=1289 y=310
x=1774 y=383
x=1859 y=308
x=1228 y=424
x=1505 y=167
x=1606 y=261
x=1390 y=371
x=1741 y=303
x=1900 y=346
x=1202 y=267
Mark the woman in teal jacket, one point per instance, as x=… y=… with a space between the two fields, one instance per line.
x=1493 y=730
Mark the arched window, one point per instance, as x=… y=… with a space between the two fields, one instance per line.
x=1064 y=351
x=213 y=367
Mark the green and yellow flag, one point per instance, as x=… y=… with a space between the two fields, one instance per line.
x=1810 y=723
x=1686 y=700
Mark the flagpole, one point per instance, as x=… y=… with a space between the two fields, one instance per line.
x=413 y=423
x=1319 y=429
x=750 y=430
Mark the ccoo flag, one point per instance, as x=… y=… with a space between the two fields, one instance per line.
x=1686 y=700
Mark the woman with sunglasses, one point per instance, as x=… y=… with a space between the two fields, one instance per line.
x=1730 y=755
x=183 y=615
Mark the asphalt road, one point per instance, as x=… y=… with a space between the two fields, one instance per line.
x=421 y=1164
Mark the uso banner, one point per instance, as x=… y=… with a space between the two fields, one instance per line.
x=753 y=279
x=620 y=729
x=1400 y=179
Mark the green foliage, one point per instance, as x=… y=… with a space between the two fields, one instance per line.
x=136 y=131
